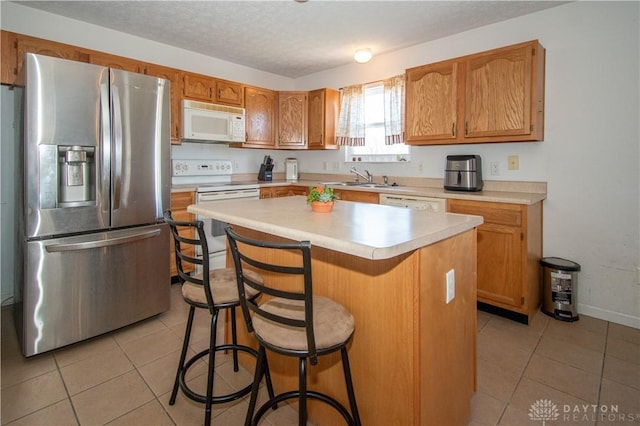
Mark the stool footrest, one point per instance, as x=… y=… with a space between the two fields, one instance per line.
x=310 y=395
x=216 y=399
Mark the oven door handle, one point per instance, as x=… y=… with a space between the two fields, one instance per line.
x=227 y=195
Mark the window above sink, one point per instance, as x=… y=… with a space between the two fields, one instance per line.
x=375 y=150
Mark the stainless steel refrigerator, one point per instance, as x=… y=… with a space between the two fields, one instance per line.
x=96 y=157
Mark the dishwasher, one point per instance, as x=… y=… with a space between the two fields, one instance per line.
x=414 y=202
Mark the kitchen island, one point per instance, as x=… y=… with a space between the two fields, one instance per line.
x=413 y=355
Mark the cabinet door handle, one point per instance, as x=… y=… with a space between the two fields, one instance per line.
x=453 y=129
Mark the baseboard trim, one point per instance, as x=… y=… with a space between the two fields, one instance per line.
x=604 y=314
x=515 y=316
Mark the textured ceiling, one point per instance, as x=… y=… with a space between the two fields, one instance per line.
x=290 y=38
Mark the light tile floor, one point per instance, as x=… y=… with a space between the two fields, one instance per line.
x=581 y=373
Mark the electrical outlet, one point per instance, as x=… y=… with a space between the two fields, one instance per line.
x=513 y=162
x=420 y=168
x=495 y=168
x=335 y=166
x=451 y=285
x=325 y=166
x=236 y=166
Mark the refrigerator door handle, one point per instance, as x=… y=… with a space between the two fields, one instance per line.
x=117 y=146
x=105 y=151
x=56 y=248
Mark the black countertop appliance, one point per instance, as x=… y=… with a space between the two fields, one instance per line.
x=463 y=173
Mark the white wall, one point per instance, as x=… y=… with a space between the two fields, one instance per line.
x=589 y=157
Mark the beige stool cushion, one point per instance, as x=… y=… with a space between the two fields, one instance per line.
x=224 y=287
x=333 y=324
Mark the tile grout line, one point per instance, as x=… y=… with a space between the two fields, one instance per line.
x=522 y=373
x=155 y=397
x=66 y=389
x=135 y=367
x=604 y=357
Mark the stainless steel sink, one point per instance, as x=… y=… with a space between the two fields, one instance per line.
x=359 y=184
x=342 y=183
x=375 y=185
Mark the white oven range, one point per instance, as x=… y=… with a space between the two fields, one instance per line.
x=212 y=180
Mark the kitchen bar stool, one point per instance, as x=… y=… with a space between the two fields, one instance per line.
x=291 y=322
x=213 y=290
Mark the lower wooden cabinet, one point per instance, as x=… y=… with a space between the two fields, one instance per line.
x=290 y=190
x=359 y=196
x=179 y=203
x=509 y=251
x=282 y=191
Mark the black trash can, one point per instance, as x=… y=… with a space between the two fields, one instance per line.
x=560 y=285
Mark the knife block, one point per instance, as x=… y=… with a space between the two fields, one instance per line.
x=266 y=172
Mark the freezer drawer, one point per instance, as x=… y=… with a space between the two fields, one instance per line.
x=82 y=286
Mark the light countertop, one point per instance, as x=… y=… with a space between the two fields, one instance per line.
x=526 y=193
x=353 y=228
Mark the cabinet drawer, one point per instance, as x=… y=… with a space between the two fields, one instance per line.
x=498 y=213
x=182 y=216
x=181 y=199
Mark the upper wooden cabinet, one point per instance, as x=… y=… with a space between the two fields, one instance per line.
x=260 y=116
x=503 y=98
x=431 y=102
x=173 y=75
x=324 y=107
x=9 y=58
x=230 y=93
x=493 y=96
x=292 y=120
x=209 y=89
x=117 y=62
x=17 y=45
x=200 y=87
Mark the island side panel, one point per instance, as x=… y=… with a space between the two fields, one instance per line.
x=382 y=295
x=448 y=331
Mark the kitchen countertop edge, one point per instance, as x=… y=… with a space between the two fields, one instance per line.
x=513 y=197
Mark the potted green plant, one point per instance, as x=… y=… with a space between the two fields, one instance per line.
x=321 y=198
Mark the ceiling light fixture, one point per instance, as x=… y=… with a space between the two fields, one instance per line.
x=362 y=55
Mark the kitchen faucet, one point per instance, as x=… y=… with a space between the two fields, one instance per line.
x=368 y=176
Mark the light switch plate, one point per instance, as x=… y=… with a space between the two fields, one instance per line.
x=451 y=285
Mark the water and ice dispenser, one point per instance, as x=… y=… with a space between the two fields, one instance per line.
x=67 y=176
x=76 y=171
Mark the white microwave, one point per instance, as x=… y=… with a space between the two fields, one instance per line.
x=204 y=122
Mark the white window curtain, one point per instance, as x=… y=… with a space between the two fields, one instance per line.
x=394 y=110
x=350 y=131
